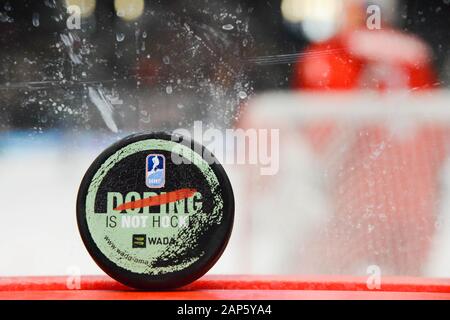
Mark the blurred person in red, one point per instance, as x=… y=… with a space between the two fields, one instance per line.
x=365 y=57
x=384 y=187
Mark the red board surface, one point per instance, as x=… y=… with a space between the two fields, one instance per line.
x=230 y=287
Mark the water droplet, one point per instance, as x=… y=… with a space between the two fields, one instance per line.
x=35 y=19
x=120 y=36
x=50 y=3
x=144 y=34
x=169 y=89
x=228 y=27
x=180 y=106
x=242 y=94
x=166 y=60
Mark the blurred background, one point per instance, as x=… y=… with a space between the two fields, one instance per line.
x=358 y=90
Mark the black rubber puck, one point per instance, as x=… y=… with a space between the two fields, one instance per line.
x=155 y=211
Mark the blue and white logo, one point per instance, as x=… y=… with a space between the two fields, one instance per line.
x=155 y=176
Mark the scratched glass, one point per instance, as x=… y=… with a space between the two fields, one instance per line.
x=323 y=184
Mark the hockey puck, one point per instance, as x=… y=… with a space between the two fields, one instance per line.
x=155 y=211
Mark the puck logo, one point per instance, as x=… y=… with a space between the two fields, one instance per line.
x=155 y=170
x=139 y=241
x=178 y=216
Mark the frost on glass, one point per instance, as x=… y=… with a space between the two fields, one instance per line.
x=77 y=75
x=165 y=69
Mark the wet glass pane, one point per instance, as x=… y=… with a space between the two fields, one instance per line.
x=347 y=102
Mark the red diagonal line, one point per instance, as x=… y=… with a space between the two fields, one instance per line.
x=158 y=200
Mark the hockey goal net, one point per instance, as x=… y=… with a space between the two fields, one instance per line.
x=361 y=182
